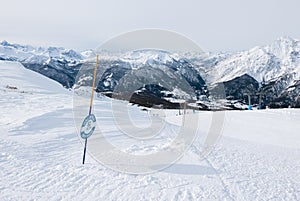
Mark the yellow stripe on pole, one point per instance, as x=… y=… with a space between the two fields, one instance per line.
x=94 y=81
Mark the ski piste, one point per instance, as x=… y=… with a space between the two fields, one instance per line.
x=89 y=123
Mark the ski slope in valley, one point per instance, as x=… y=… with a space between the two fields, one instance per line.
x=256 y=158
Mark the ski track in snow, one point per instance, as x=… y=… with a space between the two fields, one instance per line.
x=41 y=153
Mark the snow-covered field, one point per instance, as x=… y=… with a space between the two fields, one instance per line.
x=256 y=158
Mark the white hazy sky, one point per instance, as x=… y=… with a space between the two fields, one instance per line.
x=215 y=25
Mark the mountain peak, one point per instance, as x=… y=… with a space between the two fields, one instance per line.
x=4 y=43
x=284 y=42
x=149 y=56
x=283 y=47
x=286 y=39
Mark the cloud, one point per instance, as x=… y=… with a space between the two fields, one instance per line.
x=214 y=25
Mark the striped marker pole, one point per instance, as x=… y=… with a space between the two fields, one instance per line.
x=91 y=105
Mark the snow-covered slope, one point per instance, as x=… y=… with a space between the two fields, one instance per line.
x=14 y=76
x=257 y=158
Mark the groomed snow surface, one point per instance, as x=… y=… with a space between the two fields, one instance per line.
x=256 y=158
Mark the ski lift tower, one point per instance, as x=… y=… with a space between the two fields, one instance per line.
x=249 y=100
x=260 y=94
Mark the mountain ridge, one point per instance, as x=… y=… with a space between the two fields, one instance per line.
x=276 y=67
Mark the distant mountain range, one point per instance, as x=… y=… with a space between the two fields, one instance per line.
x=273 y=71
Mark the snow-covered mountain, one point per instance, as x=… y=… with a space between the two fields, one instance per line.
x=27 y=53
x=262 y=63
x=276 y=67
x=57 y=63
x=272 y=70
x=149 y=73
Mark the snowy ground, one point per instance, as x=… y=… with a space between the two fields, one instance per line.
x=256 y=158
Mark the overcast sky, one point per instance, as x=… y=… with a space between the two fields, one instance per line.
x=215 y=25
